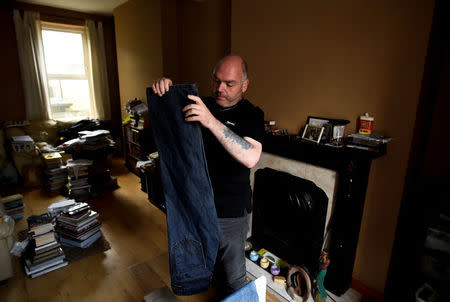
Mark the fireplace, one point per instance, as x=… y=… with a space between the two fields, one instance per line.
x=338 y=176
x=289 y=216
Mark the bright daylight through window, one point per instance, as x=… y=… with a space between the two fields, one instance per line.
x=68 y=73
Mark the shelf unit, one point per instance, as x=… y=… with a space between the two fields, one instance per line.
x=138 y=143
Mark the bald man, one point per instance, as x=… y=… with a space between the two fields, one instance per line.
x=233 y=130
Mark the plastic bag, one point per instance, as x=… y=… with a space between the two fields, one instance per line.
x=7 y=229
x=19 y=247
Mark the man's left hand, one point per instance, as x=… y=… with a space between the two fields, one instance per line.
x=199 y=112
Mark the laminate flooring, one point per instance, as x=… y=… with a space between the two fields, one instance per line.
x=136 y=264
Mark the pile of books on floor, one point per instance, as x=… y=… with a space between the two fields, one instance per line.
x=95 y=140
x=78 y=179
x=14 y=206
x=78 y=226
x=55 y=173
x=89 y=144
x=43 y=253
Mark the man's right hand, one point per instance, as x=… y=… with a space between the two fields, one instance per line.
x=161 y=86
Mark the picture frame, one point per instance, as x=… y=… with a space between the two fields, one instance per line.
x=312 y=133
x=317 y=121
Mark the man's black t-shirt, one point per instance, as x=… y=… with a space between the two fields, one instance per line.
x=230 y=179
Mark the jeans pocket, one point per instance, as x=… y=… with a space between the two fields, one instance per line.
x=188 y=258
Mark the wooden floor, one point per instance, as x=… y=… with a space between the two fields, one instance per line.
x=136 y=264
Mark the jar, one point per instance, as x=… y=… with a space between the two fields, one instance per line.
x=365 y=124
x=264 y=263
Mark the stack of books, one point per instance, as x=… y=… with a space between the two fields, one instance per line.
x=78 y=179
x=78 y=226
x=55 y=174
x=14 y=206
x=95 y=140
x=372 y=142
x=44 y=253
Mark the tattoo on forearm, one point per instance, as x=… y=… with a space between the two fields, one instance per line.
x=237 y=139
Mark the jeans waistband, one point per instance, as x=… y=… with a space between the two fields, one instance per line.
x=190 y=88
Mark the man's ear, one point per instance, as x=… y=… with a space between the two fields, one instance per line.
x=245 y=86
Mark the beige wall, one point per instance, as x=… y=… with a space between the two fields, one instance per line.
x=340 y=59
x=203 y=38
x=178 y=39
x=139 y=47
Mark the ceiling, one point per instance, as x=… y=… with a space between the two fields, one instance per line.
x=99 y=7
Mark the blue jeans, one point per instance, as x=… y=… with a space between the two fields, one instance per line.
x=192 y=223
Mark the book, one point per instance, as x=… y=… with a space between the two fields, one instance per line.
x=46 y=246
x=77 y=230
x=46 y=255
x=83 y=235
x=51 y=156
x=22 y=143
x=92 y=215
x=10 y=198
x=38 y=267
x=14 y=208
x=37 y=262
x=22 y=139
x=55 y=171
x=74 y=218
x=42 y=229
x=82 y=244
x=60 y=206
x=36 y=220
x=46 y=249
x=13 y=204
x=44 y=239
x=46 y=270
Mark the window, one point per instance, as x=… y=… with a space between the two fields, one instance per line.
x=68 y=72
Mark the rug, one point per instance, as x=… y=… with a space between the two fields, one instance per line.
x=74 y=254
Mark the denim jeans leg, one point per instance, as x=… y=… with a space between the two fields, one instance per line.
x=192 y=222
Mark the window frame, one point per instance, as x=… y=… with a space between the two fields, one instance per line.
x=78 y=29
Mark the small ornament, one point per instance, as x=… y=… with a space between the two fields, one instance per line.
x=275 y=270
x=254 y=255
x=321 y=294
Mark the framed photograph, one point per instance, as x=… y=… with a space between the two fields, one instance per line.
x=312 y=133
x=317 y=121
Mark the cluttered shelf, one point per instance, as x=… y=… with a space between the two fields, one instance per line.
x=319 y=154
x=138 y=137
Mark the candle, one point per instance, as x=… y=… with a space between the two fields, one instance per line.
x=264 y=263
